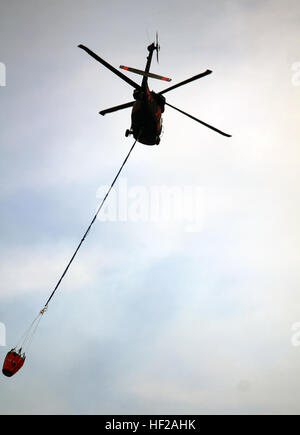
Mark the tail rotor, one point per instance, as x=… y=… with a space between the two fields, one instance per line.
x=157 y=47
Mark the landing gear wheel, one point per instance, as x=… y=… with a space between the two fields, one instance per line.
x=157 y=141
x=127 y=133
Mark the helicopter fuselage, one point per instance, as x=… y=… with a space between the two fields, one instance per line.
x=146 y=120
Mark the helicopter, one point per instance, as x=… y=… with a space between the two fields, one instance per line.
x=148 y=106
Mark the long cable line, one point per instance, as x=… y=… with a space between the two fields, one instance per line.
x=89 y=227
x=27 y=336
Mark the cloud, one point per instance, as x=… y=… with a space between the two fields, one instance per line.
x=151 y=317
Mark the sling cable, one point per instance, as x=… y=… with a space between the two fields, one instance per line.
x=14 y=359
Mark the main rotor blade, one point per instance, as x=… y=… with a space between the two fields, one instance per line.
x=144 y=73
x=198 y=76
x=201 y=122
x=115 y=108
x=110 y=67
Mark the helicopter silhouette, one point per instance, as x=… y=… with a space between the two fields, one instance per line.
x=148 y=106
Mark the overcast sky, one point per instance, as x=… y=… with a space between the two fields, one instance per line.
x=190 y=315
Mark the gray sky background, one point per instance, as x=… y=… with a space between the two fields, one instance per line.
x=151 y=318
